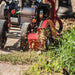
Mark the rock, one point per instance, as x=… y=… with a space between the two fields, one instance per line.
x=39 y=52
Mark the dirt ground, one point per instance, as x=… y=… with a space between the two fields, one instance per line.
x=11 y=46
x=12 y=43
x=9 y=69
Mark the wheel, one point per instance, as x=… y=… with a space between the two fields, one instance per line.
x=24 y=40
x=49 y=37
x=47 y=44
x=4 y=39
x=3 y=31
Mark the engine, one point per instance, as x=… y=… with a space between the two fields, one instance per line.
x=34 y=12
x=25 y=11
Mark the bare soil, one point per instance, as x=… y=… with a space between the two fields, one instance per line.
x=9 y=69
x=11 y=46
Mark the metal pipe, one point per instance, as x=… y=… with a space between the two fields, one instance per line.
x=20 y=4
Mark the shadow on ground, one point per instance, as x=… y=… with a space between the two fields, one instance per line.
x=14 y=47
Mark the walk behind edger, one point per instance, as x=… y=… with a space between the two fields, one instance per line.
x=36 y=20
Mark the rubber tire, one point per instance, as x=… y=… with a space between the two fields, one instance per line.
x=49 y=39
x=47 y=44
x=24 y=40
x=3 y=30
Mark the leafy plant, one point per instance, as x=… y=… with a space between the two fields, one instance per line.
x=58 y=60
x=20 y=57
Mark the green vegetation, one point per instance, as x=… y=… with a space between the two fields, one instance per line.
x=20 y=57
x=58 y=60
x=55 y=61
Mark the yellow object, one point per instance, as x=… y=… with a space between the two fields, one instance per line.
x=41 y=15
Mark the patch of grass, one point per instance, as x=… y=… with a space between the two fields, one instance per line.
x=66 y=52
x=58 y=60
x=20 y=57
x=54 y=61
